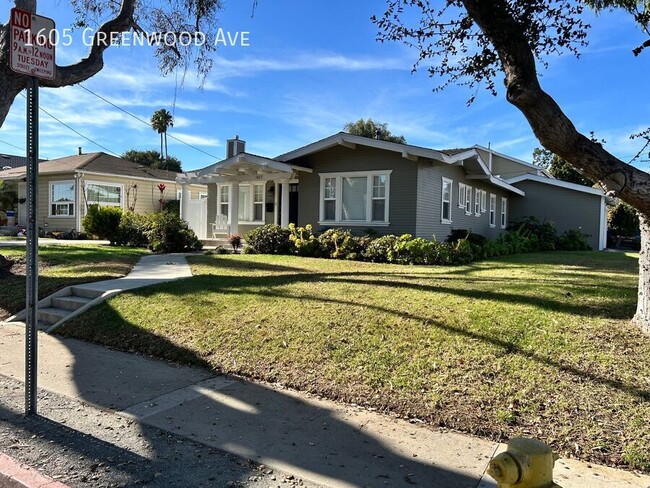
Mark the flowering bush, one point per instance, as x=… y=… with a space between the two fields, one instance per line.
x=235 y=241
x=305 y=242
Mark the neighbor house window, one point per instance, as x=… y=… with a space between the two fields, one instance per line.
x=224 y=199
x=359 y=197
x=62 y=199
x=477 y=202
x=462 y=197
x=483 y=201
x=493 y=210
x=104 y=194
x=258 y=202
x=445 y=214
x=468 y=200
x=504 y=212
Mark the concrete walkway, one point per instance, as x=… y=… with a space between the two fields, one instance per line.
x=322 y=442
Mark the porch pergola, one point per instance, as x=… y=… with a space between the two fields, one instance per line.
x=244 y=167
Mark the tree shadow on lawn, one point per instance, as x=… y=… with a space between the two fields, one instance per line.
x=270 y=286
x=257 y=422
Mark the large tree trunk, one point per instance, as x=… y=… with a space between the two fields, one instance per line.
x=642 y=316
x=557 y=133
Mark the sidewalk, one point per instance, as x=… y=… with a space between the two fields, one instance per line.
x=322 y=442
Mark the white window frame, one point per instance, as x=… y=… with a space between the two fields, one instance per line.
x=105 y=183
x=504 y=212
x=179 y=195
x=220 y=188
x=493 y=210
x=74 y=200
x=446 y=181
x=468 y=200
x=203 y=194
x=261 y=202
x=477 y=202
x=339 y=199
x=461 y=195
x=483 y=201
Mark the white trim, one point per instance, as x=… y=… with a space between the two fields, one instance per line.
x=602 y=237
x=345 y=139
x=108 y=175
x=501 y=155
x=338 y=198
x=555 y=182
x=504 y=213
x=468 y=200
x=506 y=185
x=450 y=182
x=483 y=201
x=104 y=183
x=477 y=202
x=75 y=210
x=461 y=194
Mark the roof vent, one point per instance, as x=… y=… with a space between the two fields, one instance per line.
x=235 y=146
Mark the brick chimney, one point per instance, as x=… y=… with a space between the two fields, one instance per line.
x=235 y=146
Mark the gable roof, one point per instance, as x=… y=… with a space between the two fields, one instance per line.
x=94 y=163
x=555 y=182
x=13 y=161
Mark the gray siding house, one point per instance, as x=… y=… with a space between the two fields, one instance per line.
x=361 y=184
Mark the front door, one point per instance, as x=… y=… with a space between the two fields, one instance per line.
x=293 y=203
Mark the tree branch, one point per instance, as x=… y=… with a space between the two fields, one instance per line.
x=94 y=62
x=549 y=123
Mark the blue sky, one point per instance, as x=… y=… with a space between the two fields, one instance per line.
x=311 y=67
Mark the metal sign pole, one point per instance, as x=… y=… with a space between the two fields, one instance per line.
x=32 y=247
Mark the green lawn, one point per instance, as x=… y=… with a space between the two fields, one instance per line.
x=61 y=266
x=537 y=345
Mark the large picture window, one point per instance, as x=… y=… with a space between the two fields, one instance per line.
x=445 y=212
x=62 y=199
x=104 y=194
x=355 y=198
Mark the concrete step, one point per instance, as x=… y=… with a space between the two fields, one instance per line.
x=51 y=315
x=70 y=302
x=86 y=292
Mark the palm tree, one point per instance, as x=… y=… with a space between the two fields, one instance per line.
x=161 y=120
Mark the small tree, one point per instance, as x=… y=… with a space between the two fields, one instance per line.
x=623 y=220
x=374 y=130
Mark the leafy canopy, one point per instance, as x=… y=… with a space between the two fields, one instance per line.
x=374 y=130
x=558 y=167
x=152 y=159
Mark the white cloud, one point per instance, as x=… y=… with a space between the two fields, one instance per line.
x=194 y=139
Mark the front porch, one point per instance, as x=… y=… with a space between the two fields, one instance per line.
x=245 y=191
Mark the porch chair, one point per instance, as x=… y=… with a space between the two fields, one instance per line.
x=220 y=226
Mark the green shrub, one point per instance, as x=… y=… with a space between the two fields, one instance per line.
x=573 y=240
x=545 y=232
x=132 y=230
x=172 y=206
x=462 y=252
x=340 y=244
x=168 y=233
x=358 y=245
x=377 y=250
x=305 y=242
x=269 y=239
x=103 y=222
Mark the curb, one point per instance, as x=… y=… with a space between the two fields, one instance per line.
x=15 y=475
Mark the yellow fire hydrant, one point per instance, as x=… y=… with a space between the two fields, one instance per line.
x=527 y=463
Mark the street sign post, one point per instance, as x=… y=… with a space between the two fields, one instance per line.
x=33 y=54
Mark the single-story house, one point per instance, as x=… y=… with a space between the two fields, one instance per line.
x=67 y=186
x=366 y=184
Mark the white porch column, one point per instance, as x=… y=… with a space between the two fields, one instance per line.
x=276 y=201
x=284 y=216
x=233 y=208
x=185 y=201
